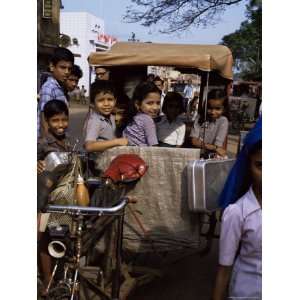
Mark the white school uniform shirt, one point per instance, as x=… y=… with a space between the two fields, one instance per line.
x=171 y=133
x=241 y=226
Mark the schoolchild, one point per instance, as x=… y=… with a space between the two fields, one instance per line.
x=216 y=127
x=144 y=107
x=60 y=66
x=240 y=246
x=171 y=129
x=160 y=84
x=55 y=140
x=72 y=81
x=100 y=126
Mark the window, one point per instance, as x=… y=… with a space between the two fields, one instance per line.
x=47 y=9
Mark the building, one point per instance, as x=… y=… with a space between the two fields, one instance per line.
x=48 y=32
x=87 y=35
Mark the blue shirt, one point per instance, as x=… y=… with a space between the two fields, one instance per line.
x=50 y=90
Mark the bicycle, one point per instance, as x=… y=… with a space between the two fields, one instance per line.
x=72 y=244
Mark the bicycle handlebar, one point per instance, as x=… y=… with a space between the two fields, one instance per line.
x=82 y=210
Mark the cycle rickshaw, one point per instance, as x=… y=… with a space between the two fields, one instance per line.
x=175 y=213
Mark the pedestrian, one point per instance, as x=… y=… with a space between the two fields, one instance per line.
x=144 y=107
x=102 y=73
x=61 y=64
x=171 y=129
x=240 y=244
x=216 y=127
x=188 y=93
x=82 y=94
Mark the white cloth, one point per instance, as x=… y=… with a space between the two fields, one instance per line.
x=188 y=91
x=171 y=133
x=241 y=227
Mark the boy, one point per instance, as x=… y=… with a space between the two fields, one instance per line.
x=55 y=140
x=101 y=73
x=72 y=80
x=100 y=126
x=60 y=66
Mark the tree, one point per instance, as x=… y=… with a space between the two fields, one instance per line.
x=246 y=43
x=177 y=15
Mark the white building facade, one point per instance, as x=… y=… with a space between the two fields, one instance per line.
x=87 y=35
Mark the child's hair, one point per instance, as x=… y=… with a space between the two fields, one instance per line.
x=102 y=86
x=60 y=54
x=173 y=97
x=140 y=93
x=215 y=94
x=157 y=78
x=55 y=107
x=76 y=71
x=247 y=178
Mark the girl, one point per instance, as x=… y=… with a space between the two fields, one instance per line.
x=240 y=238
x=170 y=129
x=216 y=128
x=140 y=129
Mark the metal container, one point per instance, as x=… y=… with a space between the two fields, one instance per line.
x=57 y=160
x=205 y=180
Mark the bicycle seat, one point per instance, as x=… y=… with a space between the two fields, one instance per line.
x=126 y=168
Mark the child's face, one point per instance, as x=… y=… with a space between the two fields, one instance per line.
x=58 y=124
x=173 y=110
x=62 y=70
x=256 y=169
x=105 y=103
x=71 y=83
x=150 y=105
x=215 y=108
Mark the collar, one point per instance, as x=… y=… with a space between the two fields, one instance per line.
x=250 y=203
x=50 y=138
x=54 y=81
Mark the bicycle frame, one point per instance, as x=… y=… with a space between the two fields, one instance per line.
x=73 y=261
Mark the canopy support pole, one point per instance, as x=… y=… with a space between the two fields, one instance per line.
x=205 y=108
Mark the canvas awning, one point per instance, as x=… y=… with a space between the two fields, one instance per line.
x=203 y=57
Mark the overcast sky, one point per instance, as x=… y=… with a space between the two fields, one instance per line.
x=112 y=12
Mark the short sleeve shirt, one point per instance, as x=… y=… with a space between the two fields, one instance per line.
x=171 y=133
x=215 y=131
x=141 y=132
x=100 y=128
x=49 y=143
x=50 y=90
x=242 y=227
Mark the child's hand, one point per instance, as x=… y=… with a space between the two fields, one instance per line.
x=221 y=152
x=41 y=165
x=122 y=142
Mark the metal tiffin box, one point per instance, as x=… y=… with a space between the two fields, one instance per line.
x=205 y=180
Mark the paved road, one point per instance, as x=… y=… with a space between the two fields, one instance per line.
x=190 y=278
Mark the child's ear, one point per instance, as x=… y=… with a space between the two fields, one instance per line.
x=136 y=104
x=51 y=66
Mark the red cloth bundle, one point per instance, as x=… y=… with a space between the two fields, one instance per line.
x=126 y=168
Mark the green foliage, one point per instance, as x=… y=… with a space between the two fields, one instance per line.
x=246 y=43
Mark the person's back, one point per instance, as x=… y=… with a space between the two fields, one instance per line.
x=60 y=67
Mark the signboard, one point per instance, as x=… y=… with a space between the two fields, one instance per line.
x=47 y=9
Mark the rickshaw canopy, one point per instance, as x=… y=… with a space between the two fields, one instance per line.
x=203 y=57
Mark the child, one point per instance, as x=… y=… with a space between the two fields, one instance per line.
x=140 y=129
x=241 y=227
x=55 y=140
x=100 y=127
x=171 y=130
x=72 y=81
x=60 y=66
x=216 y=128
